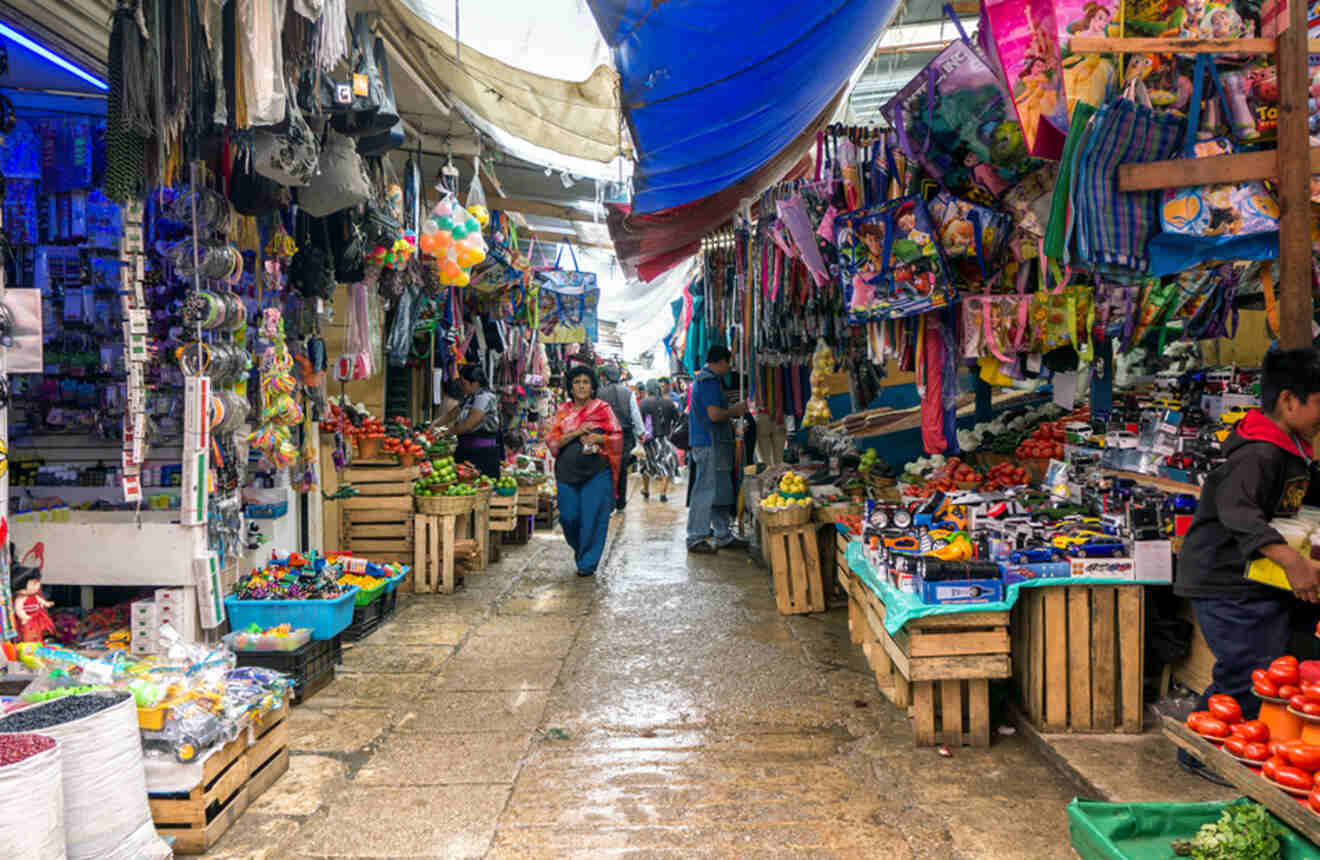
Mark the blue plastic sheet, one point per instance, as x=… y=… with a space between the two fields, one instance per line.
x=714 y=89
x=901 y=607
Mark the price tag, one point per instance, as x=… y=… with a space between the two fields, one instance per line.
x=361 y=87
x=1033 y=363
x=343 y=94
x=132 y=489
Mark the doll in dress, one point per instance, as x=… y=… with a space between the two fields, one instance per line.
x=30 y=606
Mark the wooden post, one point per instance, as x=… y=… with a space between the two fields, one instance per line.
x=1295 y=305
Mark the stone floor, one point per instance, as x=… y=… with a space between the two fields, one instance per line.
x=663 y=709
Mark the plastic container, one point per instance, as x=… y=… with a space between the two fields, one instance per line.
x=240 y=640
x=365 y=621
x=310 y=667
x=326 y=618
x=1143 y=831
x=506 y=491
x=365 y=596
x=392 y=584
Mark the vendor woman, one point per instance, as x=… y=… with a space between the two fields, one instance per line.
x=478 y=427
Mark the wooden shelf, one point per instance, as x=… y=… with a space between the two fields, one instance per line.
x=1168 y=484
x=1137 y=45
x=1245 y=780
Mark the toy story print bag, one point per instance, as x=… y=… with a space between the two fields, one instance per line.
x=1213 y=222
x=956 y=121
x=971 y=235
x=1019 y=36
x=891 y=264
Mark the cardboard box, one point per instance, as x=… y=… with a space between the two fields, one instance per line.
x=962 y=591
x=1018 y=573
x=1154 y=560
x=210 y=592
x=1104 y=568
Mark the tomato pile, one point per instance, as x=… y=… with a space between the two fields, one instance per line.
x=852 y=522
x=1045 y=442
x=1004 y=475
x=1283 y=680
x=402 y=446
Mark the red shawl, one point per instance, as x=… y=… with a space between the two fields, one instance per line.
x=597 y=413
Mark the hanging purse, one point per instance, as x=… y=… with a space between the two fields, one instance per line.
x=311 y=272
x=1213 y=222
x=349 y=247
x=368 y=88
x=391 y=136
x=341 y=182
x=321 y=95
x=290 y=158
x=249 y=191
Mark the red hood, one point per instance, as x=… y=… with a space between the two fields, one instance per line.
x=1255 y=427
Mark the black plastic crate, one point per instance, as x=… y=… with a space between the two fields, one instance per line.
x=365 y=621
x=310 y=667
x=389 y=604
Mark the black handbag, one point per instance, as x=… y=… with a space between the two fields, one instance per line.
x=367 y=85
x=387 y=121
x=350 y=251
x=311 y=272
x=249 y=191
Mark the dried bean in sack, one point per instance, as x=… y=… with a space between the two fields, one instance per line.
x=32 y=822
x=105 y=786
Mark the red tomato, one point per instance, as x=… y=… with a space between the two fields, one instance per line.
x=1269 y=692
x=1255 y=751
x=1272 y=765
x=1311 y=708
x=1304 y=756
x=1293 y=777
x=1253 y=730
x=1311 y=687
x=1284 y=674
x=1278 y=749
x=1313 y=800
x=1286 y=660
x=1236 y=745
x=1226 y=708
x=1287 y=691
x=1205 y=724
x=1298 y=701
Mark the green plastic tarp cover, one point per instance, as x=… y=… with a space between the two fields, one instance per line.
x=901 y=607
x=1144 y=831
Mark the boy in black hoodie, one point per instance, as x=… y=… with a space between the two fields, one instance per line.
x=1267 y=474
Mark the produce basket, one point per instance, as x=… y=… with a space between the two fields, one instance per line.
x=369 y=448
x=444 y=505
x=506 y=491
x=483 y=495
x=326 y=618
x=793 y=515
x=1144 y=831
x=531 y=482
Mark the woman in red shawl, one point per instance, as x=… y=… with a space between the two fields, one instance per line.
x=587 y=441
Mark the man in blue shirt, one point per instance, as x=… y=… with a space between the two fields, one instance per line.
x=710 y=434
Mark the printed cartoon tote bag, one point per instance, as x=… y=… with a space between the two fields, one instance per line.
x=891 y=262
x=1213 y=222
x=1020 y=37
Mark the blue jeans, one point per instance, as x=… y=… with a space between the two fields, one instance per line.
x=584 y=514
x=706 y=519
x=1243 y=635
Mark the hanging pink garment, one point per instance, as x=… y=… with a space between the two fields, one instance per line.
x=930 y=369
x=793 y=212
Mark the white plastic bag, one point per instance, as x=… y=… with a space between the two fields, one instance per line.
x=32 y=824
x=106 y=816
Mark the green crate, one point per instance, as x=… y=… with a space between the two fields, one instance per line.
x=1143 y=831
x=365 y=597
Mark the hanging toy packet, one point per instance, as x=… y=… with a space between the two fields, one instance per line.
x=891 y=262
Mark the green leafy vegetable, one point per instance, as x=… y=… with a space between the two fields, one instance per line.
x=1245 y=831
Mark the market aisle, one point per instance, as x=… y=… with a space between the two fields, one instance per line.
x=665 y=710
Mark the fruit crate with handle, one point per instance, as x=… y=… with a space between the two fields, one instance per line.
x=938 y=668
x=233 y=778
x=378 y=522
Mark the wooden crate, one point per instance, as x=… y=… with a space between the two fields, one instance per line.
x=232 y=779
x=527 y=501
x=441 y=554
x=503 y=513
x=794 y=556
x=1078 y=657
x=378 y=522
x=939 y=667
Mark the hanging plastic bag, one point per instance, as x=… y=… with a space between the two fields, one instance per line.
x=1021 y=38
x=399 y=345
x=822 y=365
x=476 y=196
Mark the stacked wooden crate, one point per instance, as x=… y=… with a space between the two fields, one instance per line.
x=378 y=522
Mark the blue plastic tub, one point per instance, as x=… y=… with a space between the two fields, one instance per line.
x=394 y=582
x=326 y=618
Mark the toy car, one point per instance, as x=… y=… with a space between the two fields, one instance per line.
x=1076 y=538
x=1102 y=546
x=1034 y=555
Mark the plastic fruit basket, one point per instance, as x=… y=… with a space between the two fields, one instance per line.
x=506 y=491
x=326 y=618
x=240 y=640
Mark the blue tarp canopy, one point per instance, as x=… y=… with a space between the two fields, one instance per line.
x=714 y=89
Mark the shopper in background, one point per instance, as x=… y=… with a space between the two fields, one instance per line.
x=710 y=434
x=587 y=443
x=1266 y=474
x=478 y=427
x=621 y=400
x=661 y=456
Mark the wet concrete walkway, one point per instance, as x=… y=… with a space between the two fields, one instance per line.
x=664 y=709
